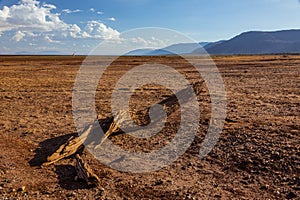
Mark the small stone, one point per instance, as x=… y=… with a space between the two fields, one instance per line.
x=291 y=195
x=21 y=189
x=7 y=97
x=278 y=192
x=71 y=194
x=159 y=182
x=264 y=187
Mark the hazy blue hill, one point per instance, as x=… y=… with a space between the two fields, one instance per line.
x=180 y=49
x=148 y=52
x=183 y=48
x=206 y=45
x=203 y=44
x=139 y=52
x=212 y=44
x=160 y=52
x=257 y=42
x=39 y=53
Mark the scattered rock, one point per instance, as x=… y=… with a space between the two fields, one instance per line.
x=71 y=194
x=159 y=182
x=291 y=195
x=264 y=187
x=7 y=97
x=21 y=189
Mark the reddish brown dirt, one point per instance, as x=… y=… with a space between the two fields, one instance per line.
x=257 y=155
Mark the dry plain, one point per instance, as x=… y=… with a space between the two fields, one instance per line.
x=257 y=155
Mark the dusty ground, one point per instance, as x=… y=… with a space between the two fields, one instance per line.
x=257 y=156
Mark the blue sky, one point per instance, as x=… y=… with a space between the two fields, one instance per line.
x=66 y=25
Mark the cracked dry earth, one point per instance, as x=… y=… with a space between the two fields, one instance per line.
x=257 y=155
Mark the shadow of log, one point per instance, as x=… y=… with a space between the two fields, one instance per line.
x=47 y=148
x=66 y=178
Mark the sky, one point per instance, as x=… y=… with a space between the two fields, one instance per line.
x=68 y=26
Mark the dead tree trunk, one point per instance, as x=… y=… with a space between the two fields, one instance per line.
x=110 y=126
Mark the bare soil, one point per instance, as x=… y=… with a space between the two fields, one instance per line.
x=257 y=155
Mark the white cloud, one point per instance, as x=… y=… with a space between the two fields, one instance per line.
x=49 y=6
x=18 y=36
x=68 y=11
x=149 y=42
x=75 y=31
x=4 y=13
x=128 y=42
x=48 y=38
x=112 y=19
x=94 y=10
x=30 y=34
x=98 y=30
x=30 y=18
x=29 y=15
x=31 y=26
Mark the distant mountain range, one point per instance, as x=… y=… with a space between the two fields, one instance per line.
x=253 y=42
x=181 y=48
x=39 y=53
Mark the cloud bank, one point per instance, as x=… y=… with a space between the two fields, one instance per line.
x=33 y=27
x=30 y=18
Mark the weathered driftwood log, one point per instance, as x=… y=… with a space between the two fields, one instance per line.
x=65 y=150
x=85 y=173
x=72 y=146
x=110 y=126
